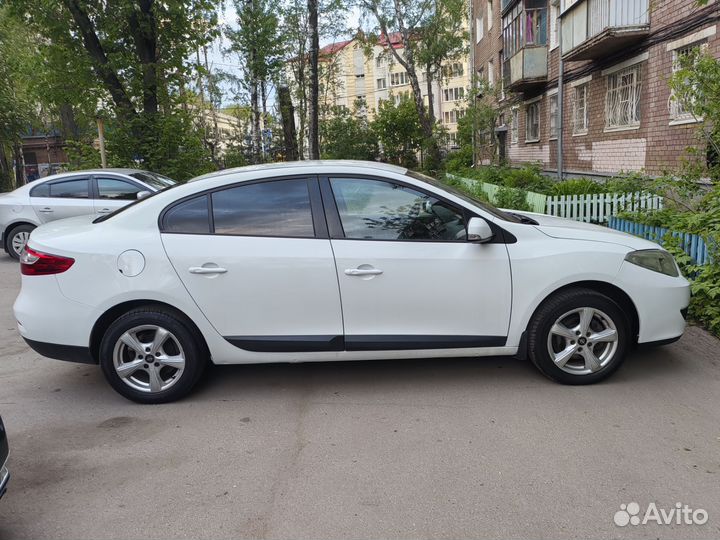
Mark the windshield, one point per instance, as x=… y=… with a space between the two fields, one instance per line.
x=489 y=208
x=154 y=180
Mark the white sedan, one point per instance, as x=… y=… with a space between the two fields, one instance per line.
x=65 y=195
x=324 y=261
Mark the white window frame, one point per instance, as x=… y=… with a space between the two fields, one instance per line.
x=490 y=13
x=580 y=116
x=479 y=28
x=515 y=126
x=381 y=83
x=455 y=93
x=623 y=93
x=398 y=79
x=554 y=18
x=678 y=115
x=532 y=120
x=553 y=123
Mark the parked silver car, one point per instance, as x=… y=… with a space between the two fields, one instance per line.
x=91 y=192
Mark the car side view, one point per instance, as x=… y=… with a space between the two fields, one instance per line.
x=336 y=260
x=92 y=192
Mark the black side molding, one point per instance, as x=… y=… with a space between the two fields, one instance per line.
x=362 y=343
x=68 y=353
x=287 y=343
x=408 y=343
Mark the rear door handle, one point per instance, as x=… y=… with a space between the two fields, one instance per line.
x=363 y=272
x=46 y=211
x=207 y=270
x=104 y=211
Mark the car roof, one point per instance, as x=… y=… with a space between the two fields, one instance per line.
x=328 y=164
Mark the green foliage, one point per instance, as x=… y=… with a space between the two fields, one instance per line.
x=512 y=198
x=398 y=131
x=347 y=135
x=577 y=186
x=82 y=155
x=460 y=159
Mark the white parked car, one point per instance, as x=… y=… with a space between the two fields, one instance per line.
x=319 y=261
x=67 y=195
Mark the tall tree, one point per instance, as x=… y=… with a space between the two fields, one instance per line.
x=314 y=112
x=414 y=22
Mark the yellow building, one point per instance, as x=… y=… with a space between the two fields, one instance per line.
x=349 y=73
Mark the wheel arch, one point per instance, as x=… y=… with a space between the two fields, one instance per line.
x=106 y=319
x=613 y=292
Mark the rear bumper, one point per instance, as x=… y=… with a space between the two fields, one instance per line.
x=68 y=353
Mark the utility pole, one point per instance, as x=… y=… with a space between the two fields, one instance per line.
x=473 y=83
x=561 y=104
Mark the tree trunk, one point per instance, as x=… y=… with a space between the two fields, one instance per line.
x=314 y=116
x=256 y=120
x=143 y=27
x=431 y=103
x=264 y=124
x=99 y=59
x=287 y=114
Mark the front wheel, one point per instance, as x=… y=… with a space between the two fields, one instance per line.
x=150 y=356
x=578 y=336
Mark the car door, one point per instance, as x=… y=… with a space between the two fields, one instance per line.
x=409 y=279
x=257 y=260
x=62 y=198
x=113 y=193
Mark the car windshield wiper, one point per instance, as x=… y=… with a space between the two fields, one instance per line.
x=524 y=219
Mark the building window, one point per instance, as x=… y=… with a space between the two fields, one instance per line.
x=524 y=25
x=479 y=29
x=622 y=101
x=580 y=110
x=400 y=96
x=382 y=83
x=491 y=14
x=454 y=94
x=398 y=79
x=681 y=109
x=515 y=126
x=554 y=24
x=554 y=116
x=451 y=117
x=456 y=69
x=379 y=61
x=532 y=122
x=491 y=73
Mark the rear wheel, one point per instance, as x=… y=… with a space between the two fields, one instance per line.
x=578 y=336
x=150 y=356
x=17 y=239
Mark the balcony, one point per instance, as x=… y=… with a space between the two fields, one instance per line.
x=526 y=68
x=598 y=28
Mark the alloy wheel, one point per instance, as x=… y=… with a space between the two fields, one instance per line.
x=18 y=241
x=583 y=341
x=149 y=358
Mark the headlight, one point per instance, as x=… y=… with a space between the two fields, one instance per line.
x=656 y=260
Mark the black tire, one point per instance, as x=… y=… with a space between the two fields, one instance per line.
x=554 y=308
x=195 y=353
x=12 y=234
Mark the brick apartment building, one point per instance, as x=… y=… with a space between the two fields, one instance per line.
x=618 y=113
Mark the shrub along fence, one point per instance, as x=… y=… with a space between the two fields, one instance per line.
x=600 y=207
x=692 y=244
x=590 y=208
x=535 y=201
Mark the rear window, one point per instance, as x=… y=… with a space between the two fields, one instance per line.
x=188 y=217
x=154 y=180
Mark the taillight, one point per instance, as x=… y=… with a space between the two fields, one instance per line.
x=37 y=263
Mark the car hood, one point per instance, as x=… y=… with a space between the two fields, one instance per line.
x=568 y=229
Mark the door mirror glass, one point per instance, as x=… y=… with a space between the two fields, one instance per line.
x=479 y=231
x=142 y=194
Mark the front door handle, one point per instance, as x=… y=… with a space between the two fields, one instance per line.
x=207 y=270
x=104 y=211
x=46 y=211
x=363 y=272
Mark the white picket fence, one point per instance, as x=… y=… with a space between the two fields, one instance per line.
x=599 y=207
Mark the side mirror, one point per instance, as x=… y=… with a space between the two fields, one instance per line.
x=143 y=194
x=479 y=231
